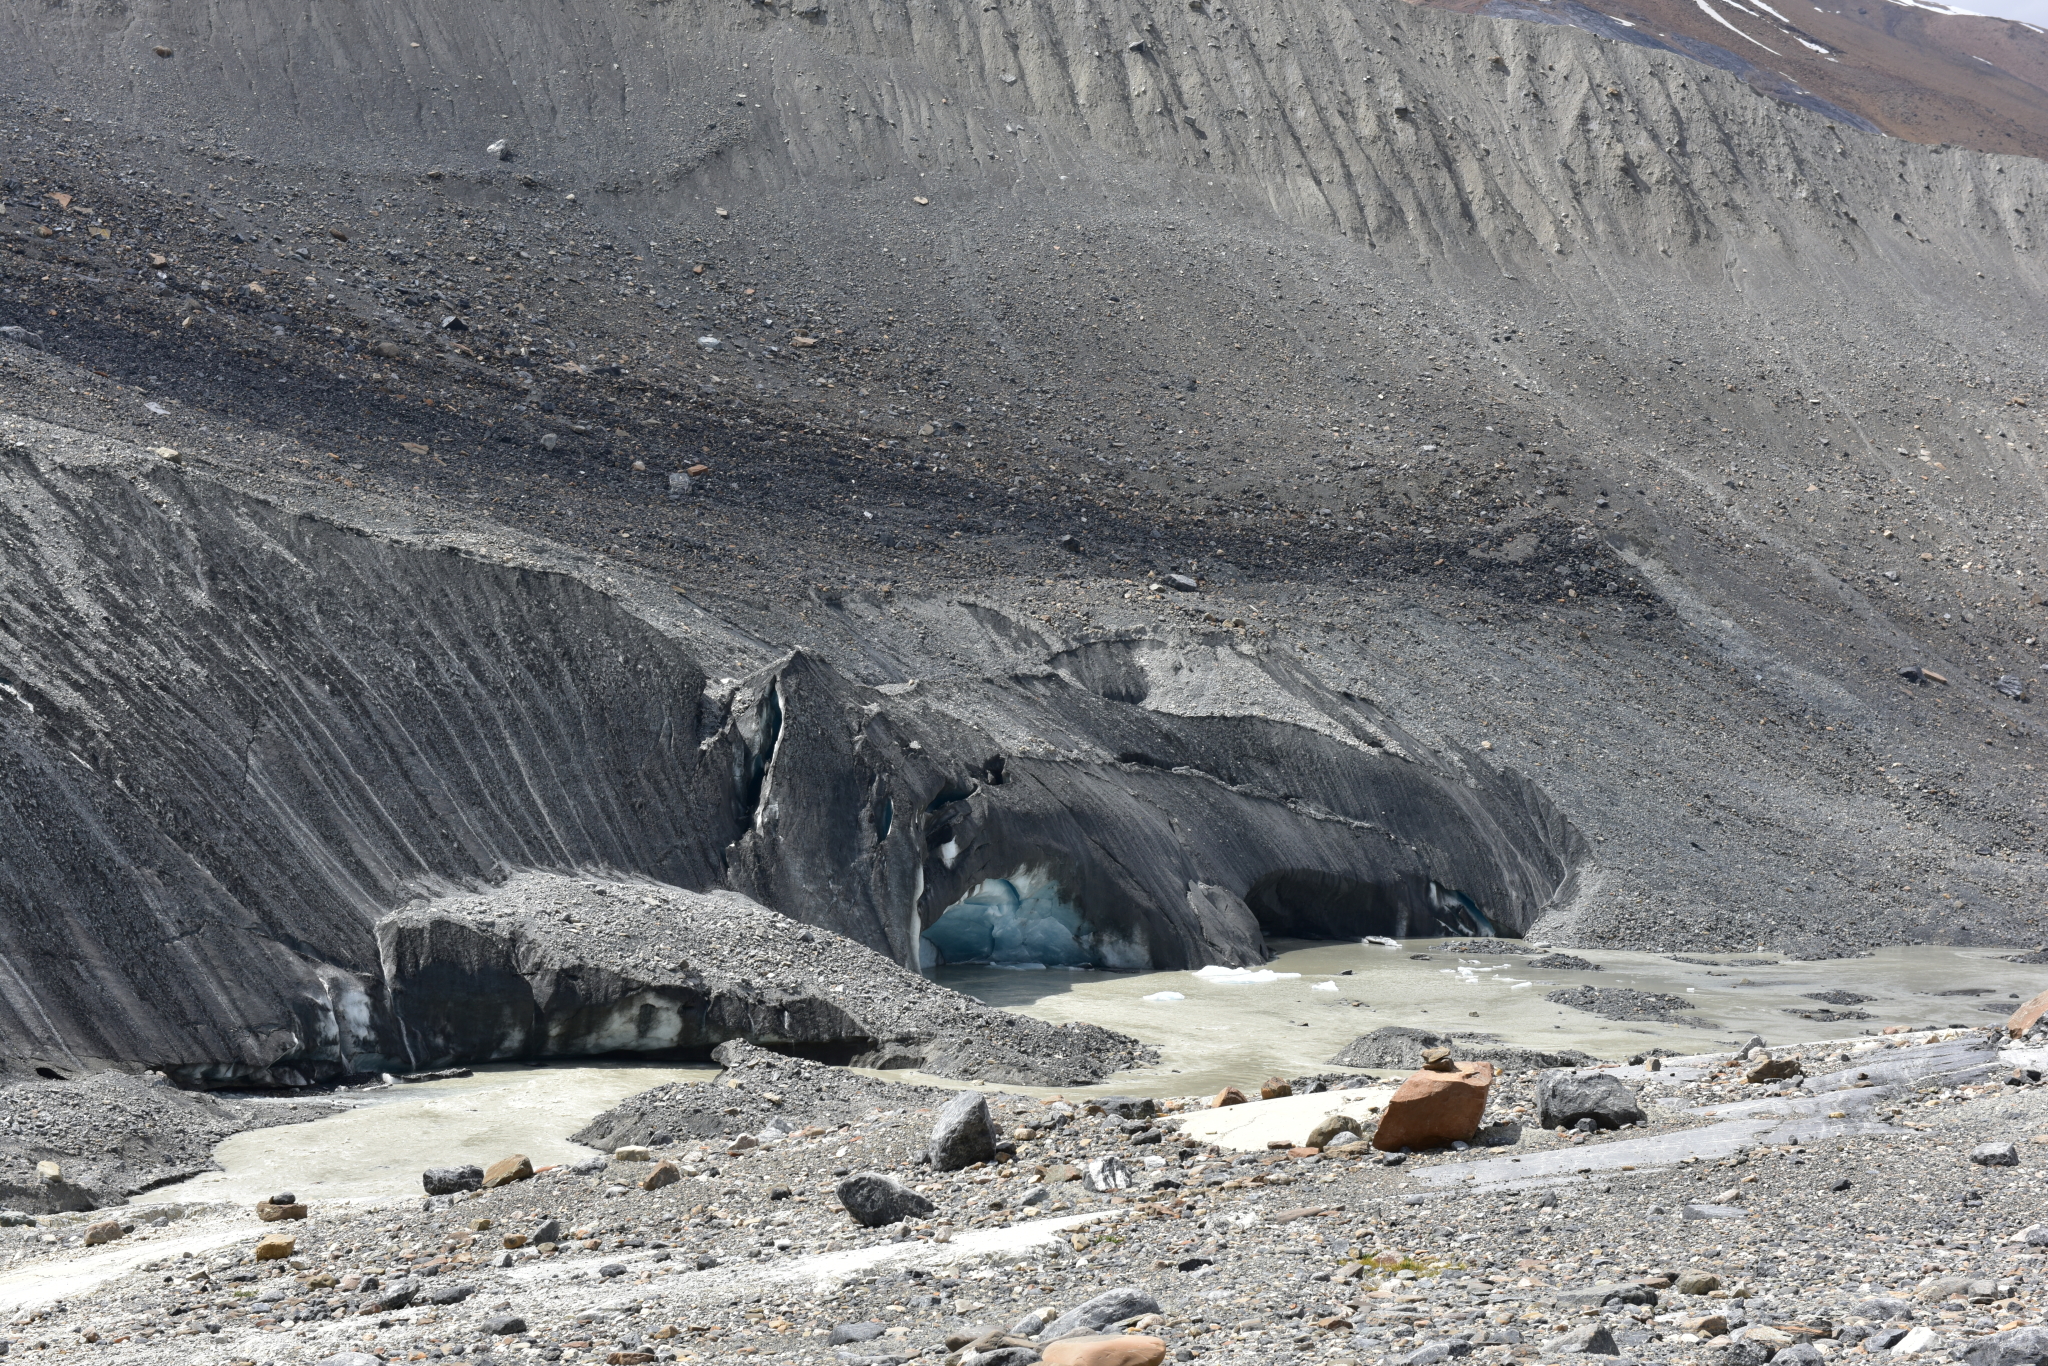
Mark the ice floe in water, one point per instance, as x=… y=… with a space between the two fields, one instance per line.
x=1243 y=976
x=1382 y=941
x=1166 y=996
x=1019 y=922
x=1324 y=986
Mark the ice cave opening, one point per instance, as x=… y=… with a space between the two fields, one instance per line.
x=1019 y=921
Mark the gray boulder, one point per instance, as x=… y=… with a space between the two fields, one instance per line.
x=1995 y=1155
x=1598 y=1296
x=1129 y=1107
x=1740 y=1353
x=550 y=1231
x=1593 y=1338
x=874 y=1199
x=452 y=1180
x=446 y=1294
x=854 y=1332
x=1007 y=1356
x=504 y=1325
x=964 y=1134
x=1111 y=1306
x=1879 y=1309
x=1563 y=1098
x=2035 y=1235
x=1799 y=1354
x=1429 y=1353
x=2019 y=1347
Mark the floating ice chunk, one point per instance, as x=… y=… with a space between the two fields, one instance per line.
x=1019 y=967
x=1519 y=986
x=1243 y=976
x=1166 y=996
x=1324 y=986
x=1382 y=941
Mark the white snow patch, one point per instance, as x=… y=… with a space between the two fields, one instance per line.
x=1324 y=986
x=1814 y=46
x=1382 y=941
x=1243 y=976
x=1715 y=15
x=1768 y=10
x=1166 y=996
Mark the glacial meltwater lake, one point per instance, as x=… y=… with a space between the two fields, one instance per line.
x=1288 y=1018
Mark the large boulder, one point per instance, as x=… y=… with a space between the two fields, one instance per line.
x=874 y=1199
x=2019 y=1347
x=1120 y=1349
x=1563 y=1098
x=1434 y=1108
x=451 y=1180
x=1111 y=1306
x=963 y=1135
x=2026 y=1017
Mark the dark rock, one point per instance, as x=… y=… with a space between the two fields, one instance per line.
x=1111 y=1306
x=1431 y=1352
x=396 y=1295
x=1995 y=1155
x=1592 y=1338
x=1622 y=1003
x=451 y=1180
x=504 y=1325
x=1127 y=1107
x=1740 y=1353
x=963 y=1134
x=1880 y=1309
x=1400 y=1048
x=1563 y=1098
x=453 y=1293
x=2016 y=1347
x=874 y=1199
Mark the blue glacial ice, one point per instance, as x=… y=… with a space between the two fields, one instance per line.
x=1018 y=921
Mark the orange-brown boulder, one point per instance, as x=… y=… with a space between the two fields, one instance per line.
x=2024 y=1019
x=1275 y=1088
x=1229 y=1095
x=1434 y=1108
x=506 y=1170
x=1127 y=1349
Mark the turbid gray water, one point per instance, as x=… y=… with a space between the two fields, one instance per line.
x=379 y=1148
x=1293 y=1016
x=1288 y=1018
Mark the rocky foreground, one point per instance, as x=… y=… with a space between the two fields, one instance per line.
x=1798 y=1204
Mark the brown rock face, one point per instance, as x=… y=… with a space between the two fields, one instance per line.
x=275 y=1247
x=506 y=1170
x=1229 y=1095
x=104 y=1232
x=1274 y=1088
x=664 y=1174
x=270 y=1213
x=1433 y=1108
x=1125 y=1350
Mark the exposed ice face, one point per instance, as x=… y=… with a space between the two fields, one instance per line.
x=1011 y=921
